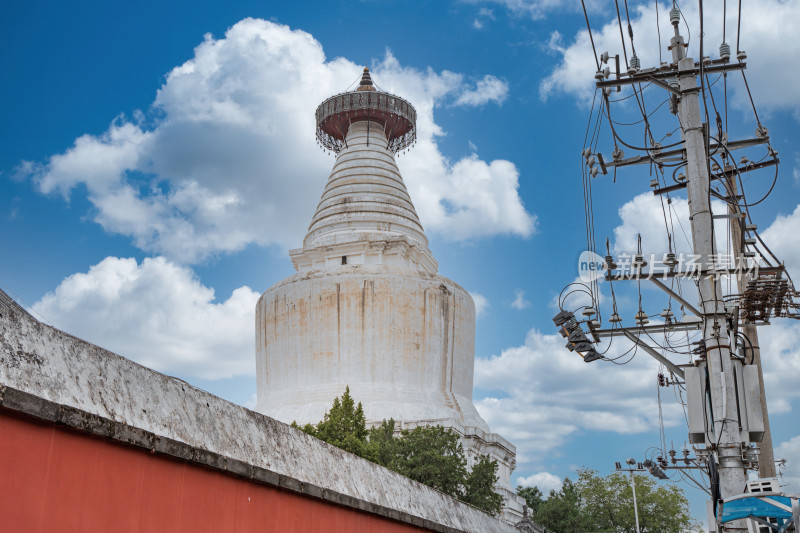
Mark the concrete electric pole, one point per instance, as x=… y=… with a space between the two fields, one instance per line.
x=732 y=476
x=725 y=397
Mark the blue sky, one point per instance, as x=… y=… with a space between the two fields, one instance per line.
x=158 y=161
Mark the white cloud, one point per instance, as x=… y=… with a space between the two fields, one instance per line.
x=780 y=342
x=767 y=31
x=544 y=480
x=483 y=14
x=796 y=169
x=534 y=9
x=780 y=361
x=781 y=237
x=227 y=157
x=119 y=148
x=649 y=215
x=556 y=42
x=157 y=314
x=790 y=450
x=466 y=199
x=481 y=304
x=520 y=302
x=488 y=89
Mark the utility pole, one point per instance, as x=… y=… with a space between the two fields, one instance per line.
x=766 y=456
x=725 y=394
x=732 y=478
x=724 y=389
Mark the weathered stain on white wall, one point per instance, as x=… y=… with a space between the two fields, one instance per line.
x=403 y=343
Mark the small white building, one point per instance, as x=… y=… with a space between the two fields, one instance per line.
x=367 y=308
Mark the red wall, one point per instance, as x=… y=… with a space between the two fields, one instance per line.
x=53 y=479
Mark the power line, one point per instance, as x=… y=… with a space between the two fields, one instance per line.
x=588 y=27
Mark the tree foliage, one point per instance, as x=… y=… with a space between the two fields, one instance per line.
x=596 y=503
x=382 y=444
x=344 y=425
x=533 y=497
x=479 y=486
x=662 y=508
x=431 y=455
x=564 y=511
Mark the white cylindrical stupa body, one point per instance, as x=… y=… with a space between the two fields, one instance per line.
x=367 y=308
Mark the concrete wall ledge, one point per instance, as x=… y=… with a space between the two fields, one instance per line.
x=63 y=415
x=60 y=379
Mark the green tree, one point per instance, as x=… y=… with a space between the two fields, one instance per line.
x=563 y=511
x=308 y=428
x=533 y=497
x=597 y=503
x=433 y=456
x=609 y=501
x=479 y=486
x=344 y=426
x=382 y=444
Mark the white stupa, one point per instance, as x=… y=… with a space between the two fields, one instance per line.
x=367 y=308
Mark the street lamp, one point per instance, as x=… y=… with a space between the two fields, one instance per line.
x=632 y=463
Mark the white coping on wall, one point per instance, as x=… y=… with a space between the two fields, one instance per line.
x=58 y=368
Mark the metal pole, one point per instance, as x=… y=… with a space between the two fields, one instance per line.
x=766 y=456
x=654 y=354
x=715 y=332
x=635 y=508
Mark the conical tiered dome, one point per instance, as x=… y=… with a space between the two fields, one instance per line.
x=364 y=194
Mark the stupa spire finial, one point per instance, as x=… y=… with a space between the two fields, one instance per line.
x=366 y=81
